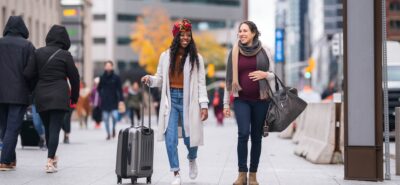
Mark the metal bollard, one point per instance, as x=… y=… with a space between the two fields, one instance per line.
x=397 y=126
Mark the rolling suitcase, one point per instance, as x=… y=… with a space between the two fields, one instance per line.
x=29 y=135
x=135 y=152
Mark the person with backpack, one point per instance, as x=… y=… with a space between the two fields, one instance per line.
x=53 y=65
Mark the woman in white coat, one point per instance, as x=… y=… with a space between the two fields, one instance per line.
x=181 y=76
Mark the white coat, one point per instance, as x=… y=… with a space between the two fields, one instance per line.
x=194 y=93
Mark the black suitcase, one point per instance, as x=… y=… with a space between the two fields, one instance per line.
x=135 y=152
x=29 y=135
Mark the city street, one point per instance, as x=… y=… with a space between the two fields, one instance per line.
x=89 y=159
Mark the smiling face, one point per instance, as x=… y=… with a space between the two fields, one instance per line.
x=245 y=35
x=185 y=38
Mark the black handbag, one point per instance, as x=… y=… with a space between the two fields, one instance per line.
x=284 y=108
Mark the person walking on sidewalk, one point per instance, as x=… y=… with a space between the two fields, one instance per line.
x=53 y=65
x=218 y=103
x=110 y=89
x=248 y=64
x=15 y=51
x=181 y=76
x=83 y=109
x=95 y=104
x=133 y=101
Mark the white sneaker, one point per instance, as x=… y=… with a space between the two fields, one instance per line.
x=51 y=166
x=177 y=180
x=193 y=169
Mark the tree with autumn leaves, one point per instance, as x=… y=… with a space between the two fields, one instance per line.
x=152 y=35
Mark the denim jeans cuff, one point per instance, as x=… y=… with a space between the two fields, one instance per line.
x=253 y=170
x=243 y=170
x=175 y=169
x=190 y=159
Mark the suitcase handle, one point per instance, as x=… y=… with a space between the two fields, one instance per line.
x=142 y=111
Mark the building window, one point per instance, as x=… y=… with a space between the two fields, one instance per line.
x=339 y=24
x=333 y=2
x=201 y=24
x=99 y=17
x=123 y=40
x=99 y=40
x=395 y=24
x=208 y=25
x=122 y=65
x=394 y=6
x=126 y=17
x=333 y=25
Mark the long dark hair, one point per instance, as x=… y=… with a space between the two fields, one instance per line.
x=190 y=50
x=253 y=28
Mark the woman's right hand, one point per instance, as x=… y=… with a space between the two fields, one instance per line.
x=227 y=112
x=146 y=79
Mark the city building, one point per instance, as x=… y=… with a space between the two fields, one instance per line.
x=393 y=19
x=333 y=17
x=309 y=28
x=114 y=20
x=77 y=18
x=38 y=15
x=296 y=39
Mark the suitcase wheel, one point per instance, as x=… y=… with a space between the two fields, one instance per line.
x=148 y=180
x=119 y=180
x=133 y=180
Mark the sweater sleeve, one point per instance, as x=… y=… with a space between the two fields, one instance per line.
x=157 y=79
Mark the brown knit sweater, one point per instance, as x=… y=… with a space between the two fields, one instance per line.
x=176 y=78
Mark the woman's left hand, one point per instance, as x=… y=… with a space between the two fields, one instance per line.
x=204 y=114
x=258 y=75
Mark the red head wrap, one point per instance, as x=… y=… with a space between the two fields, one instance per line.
x=181 y=26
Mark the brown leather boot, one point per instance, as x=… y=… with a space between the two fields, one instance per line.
x=242 y=179
x=253 y=179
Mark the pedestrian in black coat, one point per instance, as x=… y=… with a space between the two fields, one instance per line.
x=51 y=93
x=110 y=89
x=15 y=52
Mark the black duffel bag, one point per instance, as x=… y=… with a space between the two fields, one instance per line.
x=284 y=108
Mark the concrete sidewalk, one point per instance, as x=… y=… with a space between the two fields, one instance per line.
x=90 y=160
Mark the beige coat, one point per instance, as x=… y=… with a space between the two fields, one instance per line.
x=194 y=93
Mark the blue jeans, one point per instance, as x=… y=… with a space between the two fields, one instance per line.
x=171 y=135
x=11 y=116
x=37 y=121
x=106 y=118
x=250 y=123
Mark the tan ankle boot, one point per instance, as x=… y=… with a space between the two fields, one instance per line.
x=253 y=179
x=242 y=179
